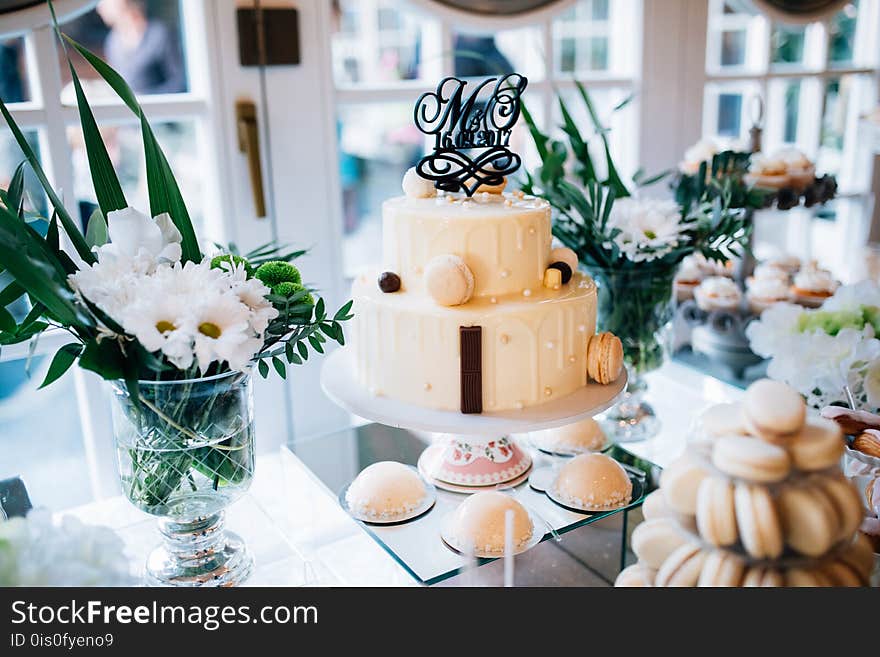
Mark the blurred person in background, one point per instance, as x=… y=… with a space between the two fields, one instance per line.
x=143 y=50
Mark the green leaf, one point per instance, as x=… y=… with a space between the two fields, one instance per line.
x=163 y=190
x=15 y=192
x=303 y=350
x=26 y=257
x=263 y=368
x=614 y=181
x=319 y=310
x=70 y=226
x=316 y=344
x=288 y=352
x=64 y=358
x=7 y=321
x=279 y=366
x=96 y=230
x=105 y=358
x=579 y=147
x=10 y=293
x=342 y=313
x=53 y=239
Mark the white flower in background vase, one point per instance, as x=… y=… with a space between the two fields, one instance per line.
x=777 y=326
x=872 y=384
x=854 y=297
x=252 y=292
x=222 y=332
x=162 y=322
x=647 y=229
x=35 y=551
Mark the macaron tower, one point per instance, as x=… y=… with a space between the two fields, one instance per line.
x=757 y=499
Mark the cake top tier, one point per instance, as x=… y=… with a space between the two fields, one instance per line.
x=500 y=242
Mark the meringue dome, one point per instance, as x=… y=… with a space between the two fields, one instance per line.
x=478 y=523
x=594 y=482
x=585 y=435
x=385 y=490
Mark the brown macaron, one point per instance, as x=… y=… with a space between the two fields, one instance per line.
x=819 y=445
x=845 y=500
x=716 y=517
x=722 y=568
x=758 y=522
x=806 y=577
x=604 y=358
x=860 y=555
x=841 y=573
x=762 y=577
x=773 y=409
x=868 y=443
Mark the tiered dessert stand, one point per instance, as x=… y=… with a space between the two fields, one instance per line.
x=474 y=451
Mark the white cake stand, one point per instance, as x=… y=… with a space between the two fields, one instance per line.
x=483 y=436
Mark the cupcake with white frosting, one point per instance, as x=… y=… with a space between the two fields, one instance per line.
x=762 y=293
x=703 y=151
x=801 y=170
x=769 y=272
x=767 y=172
x=786 y=261
x=812 y=286
x=718 y=293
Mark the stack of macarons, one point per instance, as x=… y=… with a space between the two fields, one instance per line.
x=758 y=499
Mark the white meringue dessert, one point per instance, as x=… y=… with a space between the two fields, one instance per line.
x=583 y=436
x=478 y=523
x=594 y=482
x=386 y=491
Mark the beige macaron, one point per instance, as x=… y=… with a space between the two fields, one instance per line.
x=722 y=420
x=722 y=568
x=604 y=358
x=751 y=459
x=757 y=576
x=654 y=540
x=818 y=445
x=806 y=577
x=680 y=482
x=716 y=517
x=845 y=499
x=808 y=519
x=655 y=506
x=773 y=409
x=682 y=567
x=841 y=573
x=758 y=522
x=636 y=575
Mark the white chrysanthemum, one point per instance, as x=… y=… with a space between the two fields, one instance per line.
x=35 y=551
x=774 y=329
x=648 y=229
x=222 y=332
x=162 y=322
x=853 y=297
x=133 y=234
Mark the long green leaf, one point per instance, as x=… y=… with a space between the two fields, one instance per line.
x=7 y=321
x=64 y=358
x=579 y=146
x=163 y=190
x=15 y=198
x=25 y=257
x=107 y=187
x=70 y=227
x=614 y=181
x=10 y=293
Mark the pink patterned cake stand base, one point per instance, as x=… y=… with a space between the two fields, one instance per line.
x=469 y=462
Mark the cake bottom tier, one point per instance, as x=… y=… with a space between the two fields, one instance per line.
x=533 y=348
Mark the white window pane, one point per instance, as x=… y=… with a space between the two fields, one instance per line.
x=842 y=34
x=383 y=41
x=736 y=40
x=377 y=143
x=787 y=44
x=728 y=109
x=125 y=147
x=479 y=54
x=841 y=151
x=595 y=37
x=142 y=39
x=14 y=85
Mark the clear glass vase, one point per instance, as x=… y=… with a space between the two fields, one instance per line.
x=636 y=305
x=185 y=453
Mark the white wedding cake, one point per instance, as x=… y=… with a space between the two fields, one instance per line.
x=533 y=336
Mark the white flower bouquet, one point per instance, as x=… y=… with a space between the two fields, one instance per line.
x=35 y=551
x=176 y=331
x=822 y=352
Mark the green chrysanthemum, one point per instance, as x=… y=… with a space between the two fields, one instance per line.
x=287 y=289
x=275 y=272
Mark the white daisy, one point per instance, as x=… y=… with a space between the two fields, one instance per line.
x=222 y=332
x=648 y=229
x=162 y=322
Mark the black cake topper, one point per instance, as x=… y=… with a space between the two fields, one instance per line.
x=471 y=136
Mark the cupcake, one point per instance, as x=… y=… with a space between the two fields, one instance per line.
x=762 y=293
x=718 y=293
x=385 y=491
x=689 y=276
x=583 y=436
x=787 y=262
x=593 y=482
x=767 y=172
x=812 y=286
x=770 y=272
x=478 y=523
x=801 y=171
